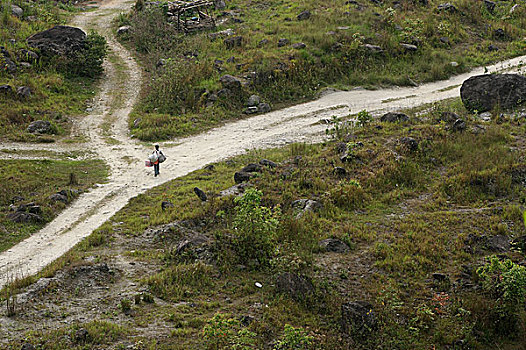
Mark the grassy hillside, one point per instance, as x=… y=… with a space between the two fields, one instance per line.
x=57 y=91
x=34 y=181
x=183 y=93
x=422 y=209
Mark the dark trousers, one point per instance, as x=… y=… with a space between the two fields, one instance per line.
x=156 y=169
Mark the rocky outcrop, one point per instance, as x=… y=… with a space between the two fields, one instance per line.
x=482 y=93
x=40 y=127
x=297 y=287
x=59 y=40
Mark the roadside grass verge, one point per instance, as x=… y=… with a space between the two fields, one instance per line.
x=183 y=94
x=60 y=91
x=34 y=181
x=415 y=243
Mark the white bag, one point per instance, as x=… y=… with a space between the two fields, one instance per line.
x=153 y=157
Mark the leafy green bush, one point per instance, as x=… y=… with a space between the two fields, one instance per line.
x=504 y=280
x=86 y=62
x=254 y=228
x=294 y=338
x=225 y=332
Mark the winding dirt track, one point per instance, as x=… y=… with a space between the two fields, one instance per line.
x=126 y=157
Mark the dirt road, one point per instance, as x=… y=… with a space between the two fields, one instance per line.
x=126 y=157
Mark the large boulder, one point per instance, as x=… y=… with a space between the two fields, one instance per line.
x=358 y=318
x=298 y=287
x=40 y=127
x=483 y=92
x=59 y=40
x=230 y=82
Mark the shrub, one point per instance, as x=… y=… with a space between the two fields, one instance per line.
x=294 y=338
x=504 y=280
x=225 y=332
x=86 y=62
x=255 y=228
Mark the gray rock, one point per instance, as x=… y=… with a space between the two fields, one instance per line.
x=334 y=245
x=30 y=208
x=253 y=100
x=263 y=42
x=250 y=110
x=448 y=117
x=358 y=318
x=299 y=46
x=81 y=336
x=60 y=40
x=409 y=47
x=373 y=48
x=40 y=127
x=123 y=30
x=297 y=287
x=282 y=42
x=27 y=346
x=483 y=92
x=252 y=168
x=492 y=47
x=268 y=163
x=58 y=197
x=24 y=217
x=500 y=34
x=220 y=4
x=23 y=92
x=498 y=244
x=8 y=65
x=410 y=143
x=447 y=7
x=241 y=176
x=305 y=205
x=339 y=171
x=459 y=125
x=6 y=90
x=440 y=277
x=490 y=5
x=232 y=42
x=394 y=117
x=166 y=204
x=200 y=193
x=16 y=11
x=236 y=190
x=444 y=40
x=28 y=55
x=263 y=107
x=304 y=15
x=230 y=82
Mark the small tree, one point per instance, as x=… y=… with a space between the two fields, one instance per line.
x=254 y=228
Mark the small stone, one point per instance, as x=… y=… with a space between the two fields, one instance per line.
x=166 y=204
x=263 y=42
x=282 y=42
x=240 y=177
x=373 y=48
x=409 y=47
x=200 y=193
x=263 y=107
x=453 y=64
x=253 y=100
x=40 y=127
x=492 y=47
x=137 y=122
x=6 y=90
x=23 y=92
x=447 y=7
x=16 y=11
x=233 y=42
x=268 y=163
x=333 y=245
x=304 y=15
x=252 y=168
x=259 y=285
x=299 y=46
x=123 y=30
x=459 y=125
x=250 y=110
x=393 y=117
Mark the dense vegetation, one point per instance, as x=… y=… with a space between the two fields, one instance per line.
x=60 y=87
x=418 y=205
x=183 y=94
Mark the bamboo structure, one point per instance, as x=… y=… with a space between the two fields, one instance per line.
x=191 y=15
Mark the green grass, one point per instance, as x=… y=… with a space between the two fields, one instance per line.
x=55 y=97
x=402 y=222
x=175 y=99
x=35 y=181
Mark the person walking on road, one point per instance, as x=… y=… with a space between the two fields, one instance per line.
x=157 y=158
